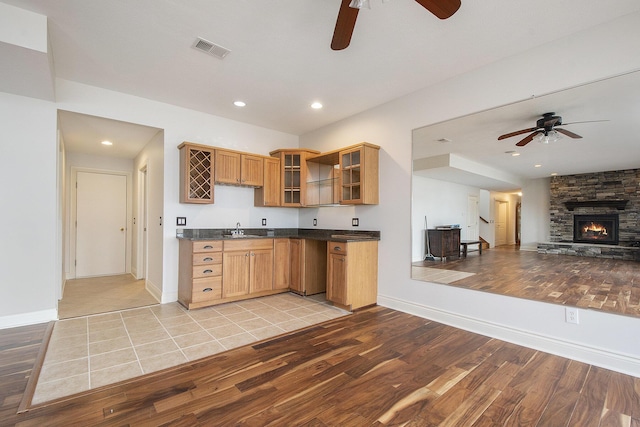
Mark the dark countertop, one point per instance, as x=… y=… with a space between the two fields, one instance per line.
x=270 y=233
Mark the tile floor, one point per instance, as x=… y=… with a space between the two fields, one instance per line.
x=437 y=275
x=93 y=351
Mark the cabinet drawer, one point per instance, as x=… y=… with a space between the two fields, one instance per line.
x=207 y=246
x=337 y=247
x=205 y=258
x=207 y=270
x=207 y=289
x=247 y=244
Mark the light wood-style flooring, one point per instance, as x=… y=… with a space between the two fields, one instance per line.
x=608 y=285
x=83 y=297
x=377 y=367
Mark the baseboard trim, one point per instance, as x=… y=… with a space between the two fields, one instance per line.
x=594 y=356
x=30 y=318
x=153 y=290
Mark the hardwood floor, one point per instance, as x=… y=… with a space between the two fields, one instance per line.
x=377 y=367
x=608 y=285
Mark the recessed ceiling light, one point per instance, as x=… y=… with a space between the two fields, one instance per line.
x=316 y=105
x=554 y=173
x=537 y=166
x=239 y=103
x=107 y=143
x=515 y=154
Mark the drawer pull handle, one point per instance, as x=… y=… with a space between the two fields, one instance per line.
x=337 y=248
x=208 y=247
x=207 y=290
x=208 y=259
x=208 y=271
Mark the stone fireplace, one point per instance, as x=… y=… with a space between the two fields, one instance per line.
x=596 y=229
x=609 y=200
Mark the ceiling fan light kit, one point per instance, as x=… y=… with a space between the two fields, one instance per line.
x=349 y=9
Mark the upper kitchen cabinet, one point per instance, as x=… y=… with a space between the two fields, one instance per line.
x=196 y=173
x=359 y=174
x=236 y=168
x=269 y=193
x=293 y=169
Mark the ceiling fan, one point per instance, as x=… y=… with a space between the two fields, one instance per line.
x=546 y=127
x=347 y=15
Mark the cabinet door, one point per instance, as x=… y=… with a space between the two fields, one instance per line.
x=292 y=179
x=281 y=264
x=235 y=274
x=337 y=279
x=196 y=174
x=261 y=270
x=227 y=167
x=351 y=176
x=296 y=250
x=251 y=170
x=269 y=193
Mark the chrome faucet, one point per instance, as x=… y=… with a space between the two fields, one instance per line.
x=237 y=231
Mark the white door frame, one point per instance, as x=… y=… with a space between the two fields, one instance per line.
x=72 y=216
x=473 y=218
x=142 y=223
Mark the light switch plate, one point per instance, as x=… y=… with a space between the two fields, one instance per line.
x=181 y=221
x=355 y=222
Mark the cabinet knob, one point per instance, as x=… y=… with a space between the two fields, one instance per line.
x=207 y=290
x=208 y=259
x=207 y=271
x=337 y=248
x=208 y=247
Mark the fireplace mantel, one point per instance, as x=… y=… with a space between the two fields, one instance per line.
x=618 y=204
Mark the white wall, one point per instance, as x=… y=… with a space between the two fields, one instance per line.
x=151 y=158
x=602 y=339
x=29 y=274
x=444 y=203
x=536 y=222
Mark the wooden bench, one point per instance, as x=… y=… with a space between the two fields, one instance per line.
x=464 y=247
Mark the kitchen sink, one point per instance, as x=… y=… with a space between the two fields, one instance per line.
x=241 y=236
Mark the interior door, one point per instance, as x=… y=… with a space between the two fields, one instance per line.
x=101 y=221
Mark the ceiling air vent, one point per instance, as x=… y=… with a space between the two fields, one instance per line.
x=210 y=48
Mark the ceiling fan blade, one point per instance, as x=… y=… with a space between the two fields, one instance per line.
x=443 y=9
x=527 y=139
x=568 y=133
x=344 y=26
x=519 y=132
x=588 y=121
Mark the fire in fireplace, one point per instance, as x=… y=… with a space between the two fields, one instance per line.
x=601 y=229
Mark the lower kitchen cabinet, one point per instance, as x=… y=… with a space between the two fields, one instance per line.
x=247 y=267
x=200 y=273
x=215 y=272
x=352 y=273
x=308 y=266
x=281 y=264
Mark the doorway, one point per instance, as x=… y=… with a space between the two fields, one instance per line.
x=502 y=215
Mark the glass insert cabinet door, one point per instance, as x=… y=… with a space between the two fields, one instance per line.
x=292 y=178
x=350 y=168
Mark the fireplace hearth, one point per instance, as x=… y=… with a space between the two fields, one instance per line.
x=598 y=229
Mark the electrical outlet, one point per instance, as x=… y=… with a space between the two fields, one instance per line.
x=315 y=222
x=181 y=221
x=355 y=222
x=264 y=221
x=571 y=315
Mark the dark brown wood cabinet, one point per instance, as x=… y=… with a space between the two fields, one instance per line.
x=444 y=243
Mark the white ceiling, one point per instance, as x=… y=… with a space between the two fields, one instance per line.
x=606 y=145
x=281 y=61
